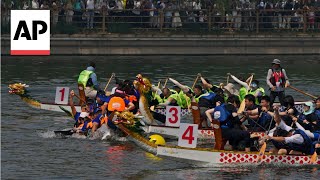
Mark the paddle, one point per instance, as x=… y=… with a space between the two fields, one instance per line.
x=165 y=83
x=302 y=92
x=66 y=111
x=228 y=75
x=262 y=151
x=314 y=158
x=195 y=81
x=243 y=105
x=65 y=132
x=79 y=98
x=112 y=75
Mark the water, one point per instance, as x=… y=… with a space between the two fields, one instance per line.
x=30 y=151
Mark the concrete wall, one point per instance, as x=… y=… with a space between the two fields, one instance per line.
x=162 y=44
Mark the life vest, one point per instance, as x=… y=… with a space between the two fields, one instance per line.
x=177 y=98
x=131 y=98
x=84 y=77
x=184 y=99
x=306 y=147
x=116 y=103
x=258 y=97
x=103 y=120
x=264 y=119
x=277 y=77
x=221 y=114
x=208 y=96
x=242 y=93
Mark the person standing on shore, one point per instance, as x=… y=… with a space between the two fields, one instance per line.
x=277 y=80
x=88 y=79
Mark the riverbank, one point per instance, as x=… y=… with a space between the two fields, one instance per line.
x=179 y=44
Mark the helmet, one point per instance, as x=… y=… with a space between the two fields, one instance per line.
x=157 y=139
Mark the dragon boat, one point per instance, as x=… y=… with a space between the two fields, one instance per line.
x=20 y=90
x=211 y=156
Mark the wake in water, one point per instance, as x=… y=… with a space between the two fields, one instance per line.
x=103 y=133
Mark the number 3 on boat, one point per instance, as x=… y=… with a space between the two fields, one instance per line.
x=173 y=116
x=188 y=135
x=62 y=94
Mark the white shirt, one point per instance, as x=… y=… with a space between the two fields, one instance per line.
x=296 y=138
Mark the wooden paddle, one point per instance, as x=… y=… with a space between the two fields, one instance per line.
x=243 y=105
x=112 y=75
x=262 y=151
x=302 y=92
x=228 y=75
x=165 y=83
x=80 y=98
x=314 y=157
x=196 y=80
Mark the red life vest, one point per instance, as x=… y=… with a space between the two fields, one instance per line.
x=277 y=77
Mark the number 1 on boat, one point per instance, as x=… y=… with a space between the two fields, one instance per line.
x=62 y=94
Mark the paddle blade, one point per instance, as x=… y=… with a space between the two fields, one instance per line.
x=262 y=151
x=314 y=157
x=66 y=111
x=242 y=107
x=64 y=133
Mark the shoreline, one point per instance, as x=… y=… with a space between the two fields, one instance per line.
x=179 y=44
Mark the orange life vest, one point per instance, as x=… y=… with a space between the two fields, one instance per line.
x=116 y=103
x=131 y=98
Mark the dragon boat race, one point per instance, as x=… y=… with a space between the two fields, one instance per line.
x=168 y=89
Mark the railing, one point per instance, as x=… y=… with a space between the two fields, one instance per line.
x=199 y=21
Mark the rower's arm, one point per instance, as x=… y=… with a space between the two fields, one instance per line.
x=73 y=109
x=131 y=106
x=208 y=114
x=278 y=139
x=286 y=77
x=184 y=88
x=277 y=117
x=268 y=78
x=169 y=100
x=244 y=84
x=205 y=83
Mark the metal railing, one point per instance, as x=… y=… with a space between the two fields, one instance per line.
x=179 y=20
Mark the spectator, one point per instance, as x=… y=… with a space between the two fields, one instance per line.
x=69 y=12
x=90 y=13
x=35 y=4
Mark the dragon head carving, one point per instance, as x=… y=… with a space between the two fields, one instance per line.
x=17 y=88
x=125 y=117
x=142 y=84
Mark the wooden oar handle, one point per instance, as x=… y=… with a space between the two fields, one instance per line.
x=112 y=75
x=165 y=83
x=79 y=98
x=302 y=92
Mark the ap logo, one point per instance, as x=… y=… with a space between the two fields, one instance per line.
x=30 y=32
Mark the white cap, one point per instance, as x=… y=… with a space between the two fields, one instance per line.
x=84 y=114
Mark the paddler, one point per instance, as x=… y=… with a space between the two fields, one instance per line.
x=287 y=140
x=78 y=116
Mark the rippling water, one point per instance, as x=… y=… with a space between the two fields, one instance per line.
x=30 y=151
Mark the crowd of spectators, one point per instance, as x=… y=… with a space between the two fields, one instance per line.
x=219 y=14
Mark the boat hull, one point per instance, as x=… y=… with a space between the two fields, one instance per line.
x=225 y=157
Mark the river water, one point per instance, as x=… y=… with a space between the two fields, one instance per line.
x=29 y=150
